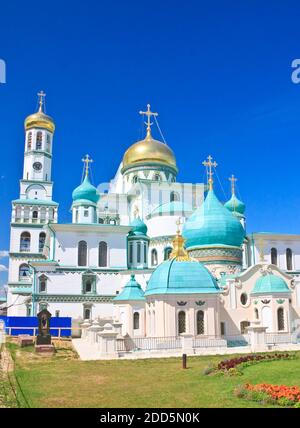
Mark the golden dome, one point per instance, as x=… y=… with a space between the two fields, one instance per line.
x=40 y=119
x=149 y=151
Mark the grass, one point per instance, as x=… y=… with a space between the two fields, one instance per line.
x=65 y=381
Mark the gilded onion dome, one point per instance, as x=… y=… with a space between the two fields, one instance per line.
x=40 y=119
x=149 y=151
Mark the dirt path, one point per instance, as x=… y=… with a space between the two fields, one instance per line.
x=7 y=387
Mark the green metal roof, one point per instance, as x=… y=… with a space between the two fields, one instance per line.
x=34 y=202
x=138 y=228
x=131 y=291
x=211 y=224
x=270 y=283
x=181 y=277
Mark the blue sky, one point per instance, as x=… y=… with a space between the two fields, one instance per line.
x=218 y=73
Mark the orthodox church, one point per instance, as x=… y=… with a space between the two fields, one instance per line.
x=160 y=256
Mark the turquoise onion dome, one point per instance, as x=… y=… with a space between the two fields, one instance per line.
x=86 y=191
x=131 y=291
x=235 y=205
x=270 y=283
x=138 y=227
x=181 y=274
x=181 y=277
x=213 y=224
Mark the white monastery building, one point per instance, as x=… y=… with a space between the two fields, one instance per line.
x=123 y=256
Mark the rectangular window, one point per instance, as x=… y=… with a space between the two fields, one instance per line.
x=57 y=314
x=86 y=213
x=130 y=253
x=223 y=329
x=145 y=252
x=139 y=252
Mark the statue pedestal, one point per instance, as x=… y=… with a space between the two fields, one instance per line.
x=47 y=350
x=257 y=337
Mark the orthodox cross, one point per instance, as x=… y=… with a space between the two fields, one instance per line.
x=209 y=165
x=179 y=222
x=148 y=113
x=233 y=180
x=41 y=95
x=87 y=161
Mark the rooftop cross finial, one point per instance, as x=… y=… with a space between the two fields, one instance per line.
x=233 y=180
x=41 y=95
x=209 y=165
x=148 y=113
x=136 y=211
x=87 y=161
x=179 y=222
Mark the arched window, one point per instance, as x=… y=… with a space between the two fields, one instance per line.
x=135 y=179
x=200 y=322
x=256 y=313
x=48 y=141
x=101 y=221
x=29 y=141
x=157 y=177
x=244 y=298
x=174 y=196
x=82 y=253
x=25 y=241
x=24 y=272
x=243 y=326
x=167 y=252
x=289 y=259
x=102 y=254
x=87 y=313
x=39 y=139
x=280 y=319
x=43 y=284
x=42 y=239
x=181 y=322
x=136 y=321
x=35 y=215
x=154 y=257
x=274 y=256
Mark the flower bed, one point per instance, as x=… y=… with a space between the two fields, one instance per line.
x=282 y=395
x=233 y=366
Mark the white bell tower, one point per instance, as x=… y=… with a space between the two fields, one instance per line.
x=33 y=209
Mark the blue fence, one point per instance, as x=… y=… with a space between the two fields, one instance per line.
x=25 y=325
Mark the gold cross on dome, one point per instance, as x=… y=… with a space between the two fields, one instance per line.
x=209 y=165
x=179 y=222
x=87 y=161
x=261 y=245
x=41 y=95
x=136 y=211
x=233 y=180
x=148 y=113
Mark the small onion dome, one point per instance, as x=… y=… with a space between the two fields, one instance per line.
x=235 y=205
x=39 y=120
x=138 y=227
x=149 y=152
x=213 y=224
x=171 y=209
x=86 y=191
x=270 y=283
x=131 y=291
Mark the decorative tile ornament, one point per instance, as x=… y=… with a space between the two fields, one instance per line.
x=280 y=301
x=200 y=303
x=181 y=303
x=265 y=301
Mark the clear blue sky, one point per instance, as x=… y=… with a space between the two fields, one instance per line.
x=218 y=73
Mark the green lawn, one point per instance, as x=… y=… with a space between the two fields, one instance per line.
x=64 y=381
